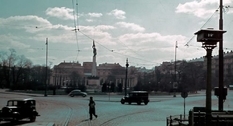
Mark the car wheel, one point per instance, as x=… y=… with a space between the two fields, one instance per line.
x=15 y=119
x=33 y=118
x=122 y=102
x=138 y=102
x=146 y=103
x=129 y=102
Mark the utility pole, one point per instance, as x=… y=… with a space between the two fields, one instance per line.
x=46 y=69
x=175 y=80
x=126 y=73
x=221 y=85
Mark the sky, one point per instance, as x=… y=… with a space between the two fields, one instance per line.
x=143 y=31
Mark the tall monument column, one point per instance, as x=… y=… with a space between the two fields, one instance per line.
x=94 y=69
x=93 y=82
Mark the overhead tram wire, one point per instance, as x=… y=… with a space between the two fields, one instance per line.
x=94 y=40
x=187 y=44
x=111 y=50
x=75 y=27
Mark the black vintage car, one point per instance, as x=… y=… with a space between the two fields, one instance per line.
x=137 y=97
x=19 y=109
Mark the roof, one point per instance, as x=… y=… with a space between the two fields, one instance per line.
x=22 y=99
x=138 y=92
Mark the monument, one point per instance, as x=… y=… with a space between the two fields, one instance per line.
x=94 y=74
x=93 y=82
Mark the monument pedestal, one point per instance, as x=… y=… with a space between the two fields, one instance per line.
x=93 y=84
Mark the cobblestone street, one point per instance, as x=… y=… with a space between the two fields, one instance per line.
x=62 y=110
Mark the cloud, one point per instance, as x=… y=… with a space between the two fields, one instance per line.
x=20 y=21
x=29 y=22
x=89 y=20
x=98 y=32
x=200 y=9
x=119 y=14
x=11 y=41
x=96 y=15
x=61 y=13
x=151 y=38
x=131 y=26
x=91 y=16
x=32 y=24
x=104 y=27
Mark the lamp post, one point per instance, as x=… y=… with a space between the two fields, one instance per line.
x=175 y=82
x=126 y=72
x=46 y=69
x=209 y=39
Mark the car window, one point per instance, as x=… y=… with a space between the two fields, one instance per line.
x=12 y=103
x=77 y=92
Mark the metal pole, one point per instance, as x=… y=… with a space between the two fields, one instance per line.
x=220 y=100
x=126 y=72
x=184 y=108
x=175 y=70
x=45 y=93
x=208 y=87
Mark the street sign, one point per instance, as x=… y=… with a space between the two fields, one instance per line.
x=184 y=94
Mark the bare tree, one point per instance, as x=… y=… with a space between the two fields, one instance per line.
x=13 y=67
x=7 y=62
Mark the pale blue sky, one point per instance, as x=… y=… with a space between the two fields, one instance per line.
x=144 y=31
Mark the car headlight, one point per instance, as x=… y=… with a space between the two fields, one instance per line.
x=6 y=110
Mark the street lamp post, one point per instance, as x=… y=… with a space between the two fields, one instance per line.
x=126 y=72
x=175 y=82
x=209 y=39
x=46 y=69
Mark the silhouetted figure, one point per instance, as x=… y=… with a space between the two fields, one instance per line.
x=94 y=49
x=92 y=108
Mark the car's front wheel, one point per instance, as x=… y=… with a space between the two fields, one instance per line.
x=33 y=118
x=15 y=119
x=139 y=102
x=122 y=101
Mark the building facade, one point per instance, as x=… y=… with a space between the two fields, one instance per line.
x=68 y=74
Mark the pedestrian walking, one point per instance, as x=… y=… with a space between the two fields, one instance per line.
x=92 y=108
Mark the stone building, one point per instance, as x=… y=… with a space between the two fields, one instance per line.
x=74 y=74
x=227 y=68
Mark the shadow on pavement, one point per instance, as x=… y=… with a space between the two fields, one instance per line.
x=7 y=123
x=85 y=120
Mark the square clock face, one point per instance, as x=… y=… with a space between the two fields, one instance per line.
x=209 y=36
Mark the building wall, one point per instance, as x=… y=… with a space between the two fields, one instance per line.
x=227 y=68
x=61 y=73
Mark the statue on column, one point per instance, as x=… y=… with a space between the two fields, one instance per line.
x=94 y=49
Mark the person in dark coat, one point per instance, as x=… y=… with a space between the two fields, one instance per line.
x=92 y=108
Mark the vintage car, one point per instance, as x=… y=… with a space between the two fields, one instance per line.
x=77 y=93
x=19 y=109
x=137 y=97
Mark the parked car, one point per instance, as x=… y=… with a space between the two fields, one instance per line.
x=77 y=93
x=19 y=109
x=137 y=97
